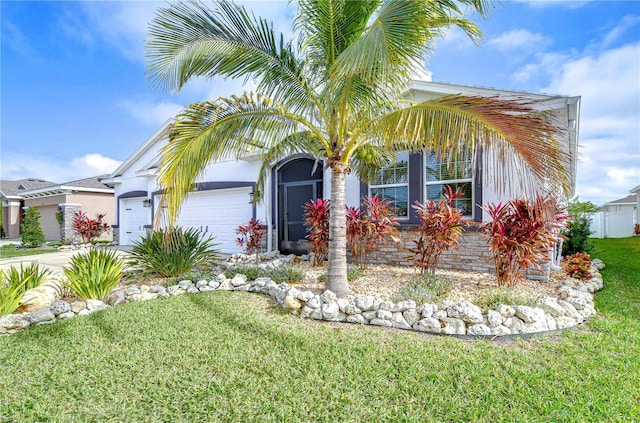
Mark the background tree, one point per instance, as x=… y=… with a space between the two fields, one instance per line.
x=32 y=235
x=335 y=94
x=578 y=228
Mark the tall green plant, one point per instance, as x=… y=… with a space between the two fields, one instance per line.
x=94 y=275
x=336 y=93
x=578 y=228
x=32 y=235
x=169 y=253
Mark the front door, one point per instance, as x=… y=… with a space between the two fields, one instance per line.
x=295 y=196
x=299 y=181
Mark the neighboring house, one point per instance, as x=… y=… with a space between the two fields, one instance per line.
x=616 y=219
x=222 y=198
x=56 y=203
x=12 y=202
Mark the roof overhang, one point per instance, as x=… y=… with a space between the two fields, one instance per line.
x=64 y=190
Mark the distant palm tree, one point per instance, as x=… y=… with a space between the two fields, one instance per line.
x=336 y=93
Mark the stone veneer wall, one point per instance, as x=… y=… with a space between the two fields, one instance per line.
x=67 y=234
x=473 y=254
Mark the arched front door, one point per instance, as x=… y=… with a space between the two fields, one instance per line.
x=297 y=184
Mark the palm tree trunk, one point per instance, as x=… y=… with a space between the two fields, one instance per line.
x=337 y=276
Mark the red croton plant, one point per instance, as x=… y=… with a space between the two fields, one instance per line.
x=578 y=266
x=522 y=233
x=89 y=229
x=441 y=226
x=316 y=220
x=366 y=230
x=251 y=236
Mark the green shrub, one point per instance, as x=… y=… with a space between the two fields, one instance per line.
x=489 y=299
x=251 y=272
x=194 y=275
x=353 y=272
x=579 y=227
x=54 y=243
x=426 y=289
x=32 y=235
x=170 y=253
x=95 y=274
x=285 y=273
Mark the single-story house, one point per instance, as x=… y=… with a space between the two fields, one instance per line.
x=56 y=203
x=222 y=198
x=617 y=218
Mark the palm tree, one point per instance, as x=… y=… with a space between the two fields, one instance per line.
x=337 y=94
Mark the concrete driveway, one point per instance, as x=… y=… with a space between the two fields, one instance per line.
x=52 y=261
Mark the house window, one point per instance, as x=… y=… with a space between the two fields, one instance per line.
x=457 y=173
x=392 y=184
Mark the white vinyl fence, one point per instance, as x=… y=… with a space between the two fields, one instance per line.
x=613 y=224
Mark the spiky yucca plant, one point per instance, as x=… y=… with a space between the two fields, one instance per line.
x=94 y=275
x=170 y=253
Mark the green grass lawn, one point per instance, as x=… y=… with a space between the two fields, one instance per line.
x=231 y=356
x=11 y=250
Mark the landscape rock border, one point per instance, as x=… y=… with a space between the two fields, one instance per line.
x=460 y=318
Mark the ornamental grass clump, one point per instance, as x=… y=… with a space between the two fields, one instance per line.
x=94 y=275
x=169 y=253
x=522 y=234
x=440 y=229
x=369 y=228
x=316 y=220
x=578 y=266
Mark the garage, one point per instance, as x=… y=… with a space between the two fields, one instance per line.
x=134 y=216
x=218 y=213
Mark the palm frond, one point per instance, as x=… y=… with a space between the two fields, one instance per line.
x=397 y=38
x=207 y=132
x=188 y=40
x=517 y=130
x=327 y=28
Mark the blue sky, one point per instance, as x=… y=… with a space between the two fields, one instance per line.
x=75 y=101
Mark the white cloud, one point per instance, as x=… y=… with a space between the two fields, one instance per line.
x=519 y=39
x=569 y=4
x=154 y=114
x=19 y=166
x=609 y=83
x=124 y=24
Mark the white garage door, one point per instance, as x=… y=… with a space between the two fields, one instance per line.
x=133 y=218
x=218 y=213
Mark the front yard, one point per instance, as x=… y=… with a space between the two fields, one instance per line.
x=231 y=356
